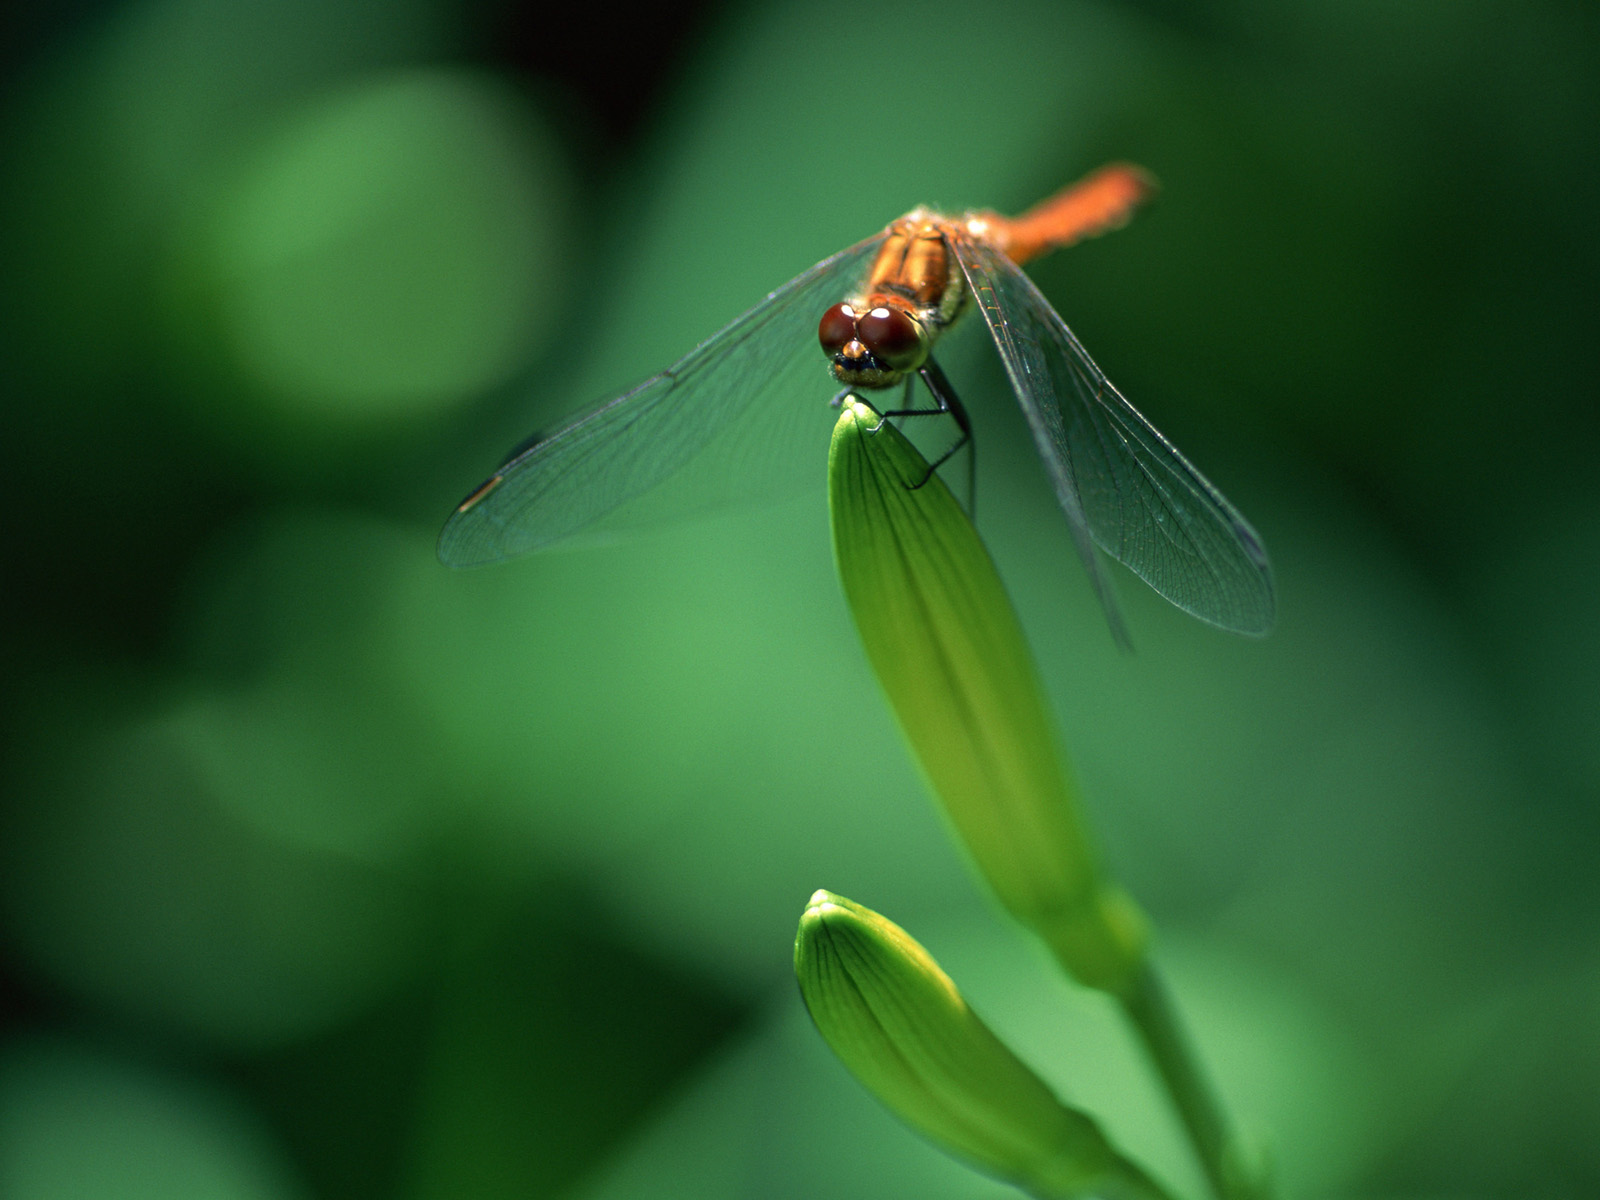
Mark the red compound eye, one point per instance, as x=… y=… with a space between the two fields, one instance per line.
x=894 y=337
x=838 y=328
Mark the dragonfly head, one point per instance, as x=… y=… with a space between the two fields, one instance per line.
x=873 y=344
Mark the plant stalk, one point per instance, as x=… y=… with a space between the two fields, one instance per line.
x=1149 y=1007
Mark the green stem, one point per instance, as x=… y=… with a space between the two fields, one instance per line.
x=1150 y=1009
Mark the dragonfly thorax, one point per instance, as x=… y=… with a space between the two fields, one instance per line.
x=913 y=291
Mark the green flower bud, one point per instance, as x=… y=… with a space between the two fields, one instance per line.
x=947 y=647
x=901 y=1027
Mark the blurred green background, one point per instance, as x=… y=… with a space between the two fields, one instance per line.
x=327 y=872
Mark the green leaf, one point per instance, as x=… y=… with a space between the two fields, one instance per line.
x=902 y=1028
x=949 y=651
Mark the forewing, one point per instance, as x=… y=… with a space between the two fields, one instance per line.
x=732 y=417
x=1117 y=478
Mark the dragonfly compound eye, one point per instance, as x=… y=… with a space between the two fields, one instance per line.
x=838 y=328
x=894 y=337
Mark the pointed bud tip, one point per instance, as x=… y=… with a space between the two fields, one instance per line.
x=823 y=905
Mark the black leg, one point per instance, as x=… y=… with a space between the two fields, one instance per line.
x=945 y=397
x=945 y=402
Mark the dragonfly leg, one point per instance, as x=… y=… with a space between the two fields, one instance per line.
x=945 y=396
x=885 y=413
x=946 y=401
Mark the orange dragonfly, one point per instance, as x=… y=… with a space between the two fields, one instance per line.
x=723 y=420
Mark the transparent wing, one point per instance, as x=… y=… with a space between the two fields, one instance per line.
x=1119 y=481
x=730 y=419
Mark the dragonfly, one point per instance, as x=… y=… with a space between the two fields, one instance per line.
x=727 y=411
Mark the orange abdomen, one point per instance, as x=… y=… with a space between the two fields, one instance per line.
x=1095 y=204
